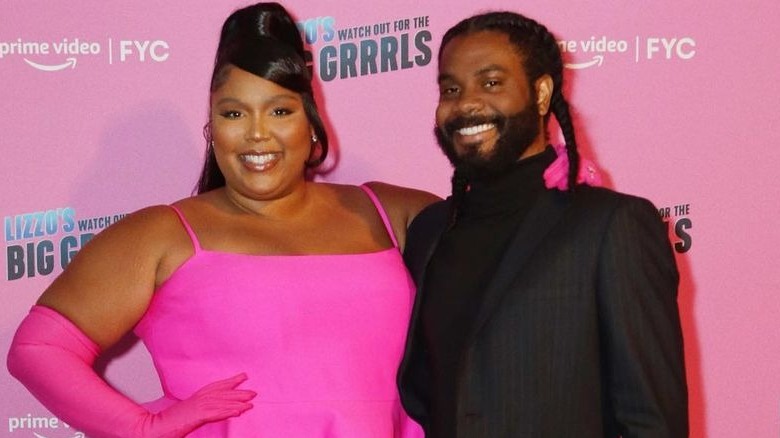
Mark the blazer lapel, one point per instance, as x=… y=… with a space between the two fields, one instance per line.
x=545 y=213
x=412 y=380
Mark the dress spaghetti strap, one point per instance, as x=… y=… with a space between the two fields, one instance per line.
x=188 y=228
x=382 y=213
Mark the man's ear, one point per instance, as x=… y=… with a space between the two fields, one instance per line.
x=544 y=91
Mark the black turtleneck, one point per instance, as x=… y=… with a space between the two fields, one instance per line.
x=460 y=271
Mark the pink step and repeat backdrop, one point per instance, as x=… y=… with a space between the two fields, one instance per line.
x=103 y=105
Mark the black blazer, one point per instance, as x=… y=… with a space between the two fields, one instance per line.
x=579 y=334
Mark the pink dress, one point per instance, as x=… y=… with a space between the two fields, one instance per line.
x=320 y=337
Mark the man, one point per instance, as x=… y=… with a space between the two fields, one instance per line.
x=540 y=312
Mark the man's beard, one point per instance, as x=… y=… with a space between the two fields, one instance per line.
x=515 y=134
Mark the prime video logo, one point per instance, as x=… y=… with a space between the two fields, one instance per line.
x=52 y=56
x=592 y=52
x=42 y=427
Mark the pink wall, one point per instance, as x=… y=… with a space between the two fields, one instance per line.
x=676 y=100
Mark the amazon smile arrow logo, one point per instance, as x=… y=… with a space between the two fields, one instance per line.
x=77 y=435
x=70 y=62
x=597 y=60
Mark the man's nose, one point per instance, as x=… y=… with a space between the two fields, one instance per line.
x=470 y=102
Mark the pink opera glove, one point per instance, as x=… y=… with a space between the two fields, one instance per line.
x=214 y=402
x=53 y=359
x=557 y=174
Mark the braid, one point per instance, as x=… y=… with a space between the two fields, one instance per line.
x=541 y=55
x=460 y=184
x=560 y=108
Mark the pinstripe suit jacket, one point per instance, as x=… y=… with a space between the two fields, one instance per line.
x=579 y=334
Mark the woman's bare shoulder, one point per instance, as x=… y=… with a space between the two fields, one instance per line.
x=402 y=200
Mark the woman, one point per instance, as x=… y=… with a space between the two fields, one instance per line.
x=296 y=288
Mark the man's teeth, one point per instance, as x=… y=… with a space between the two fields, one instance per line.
x=474 y=130
x=259 y=159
